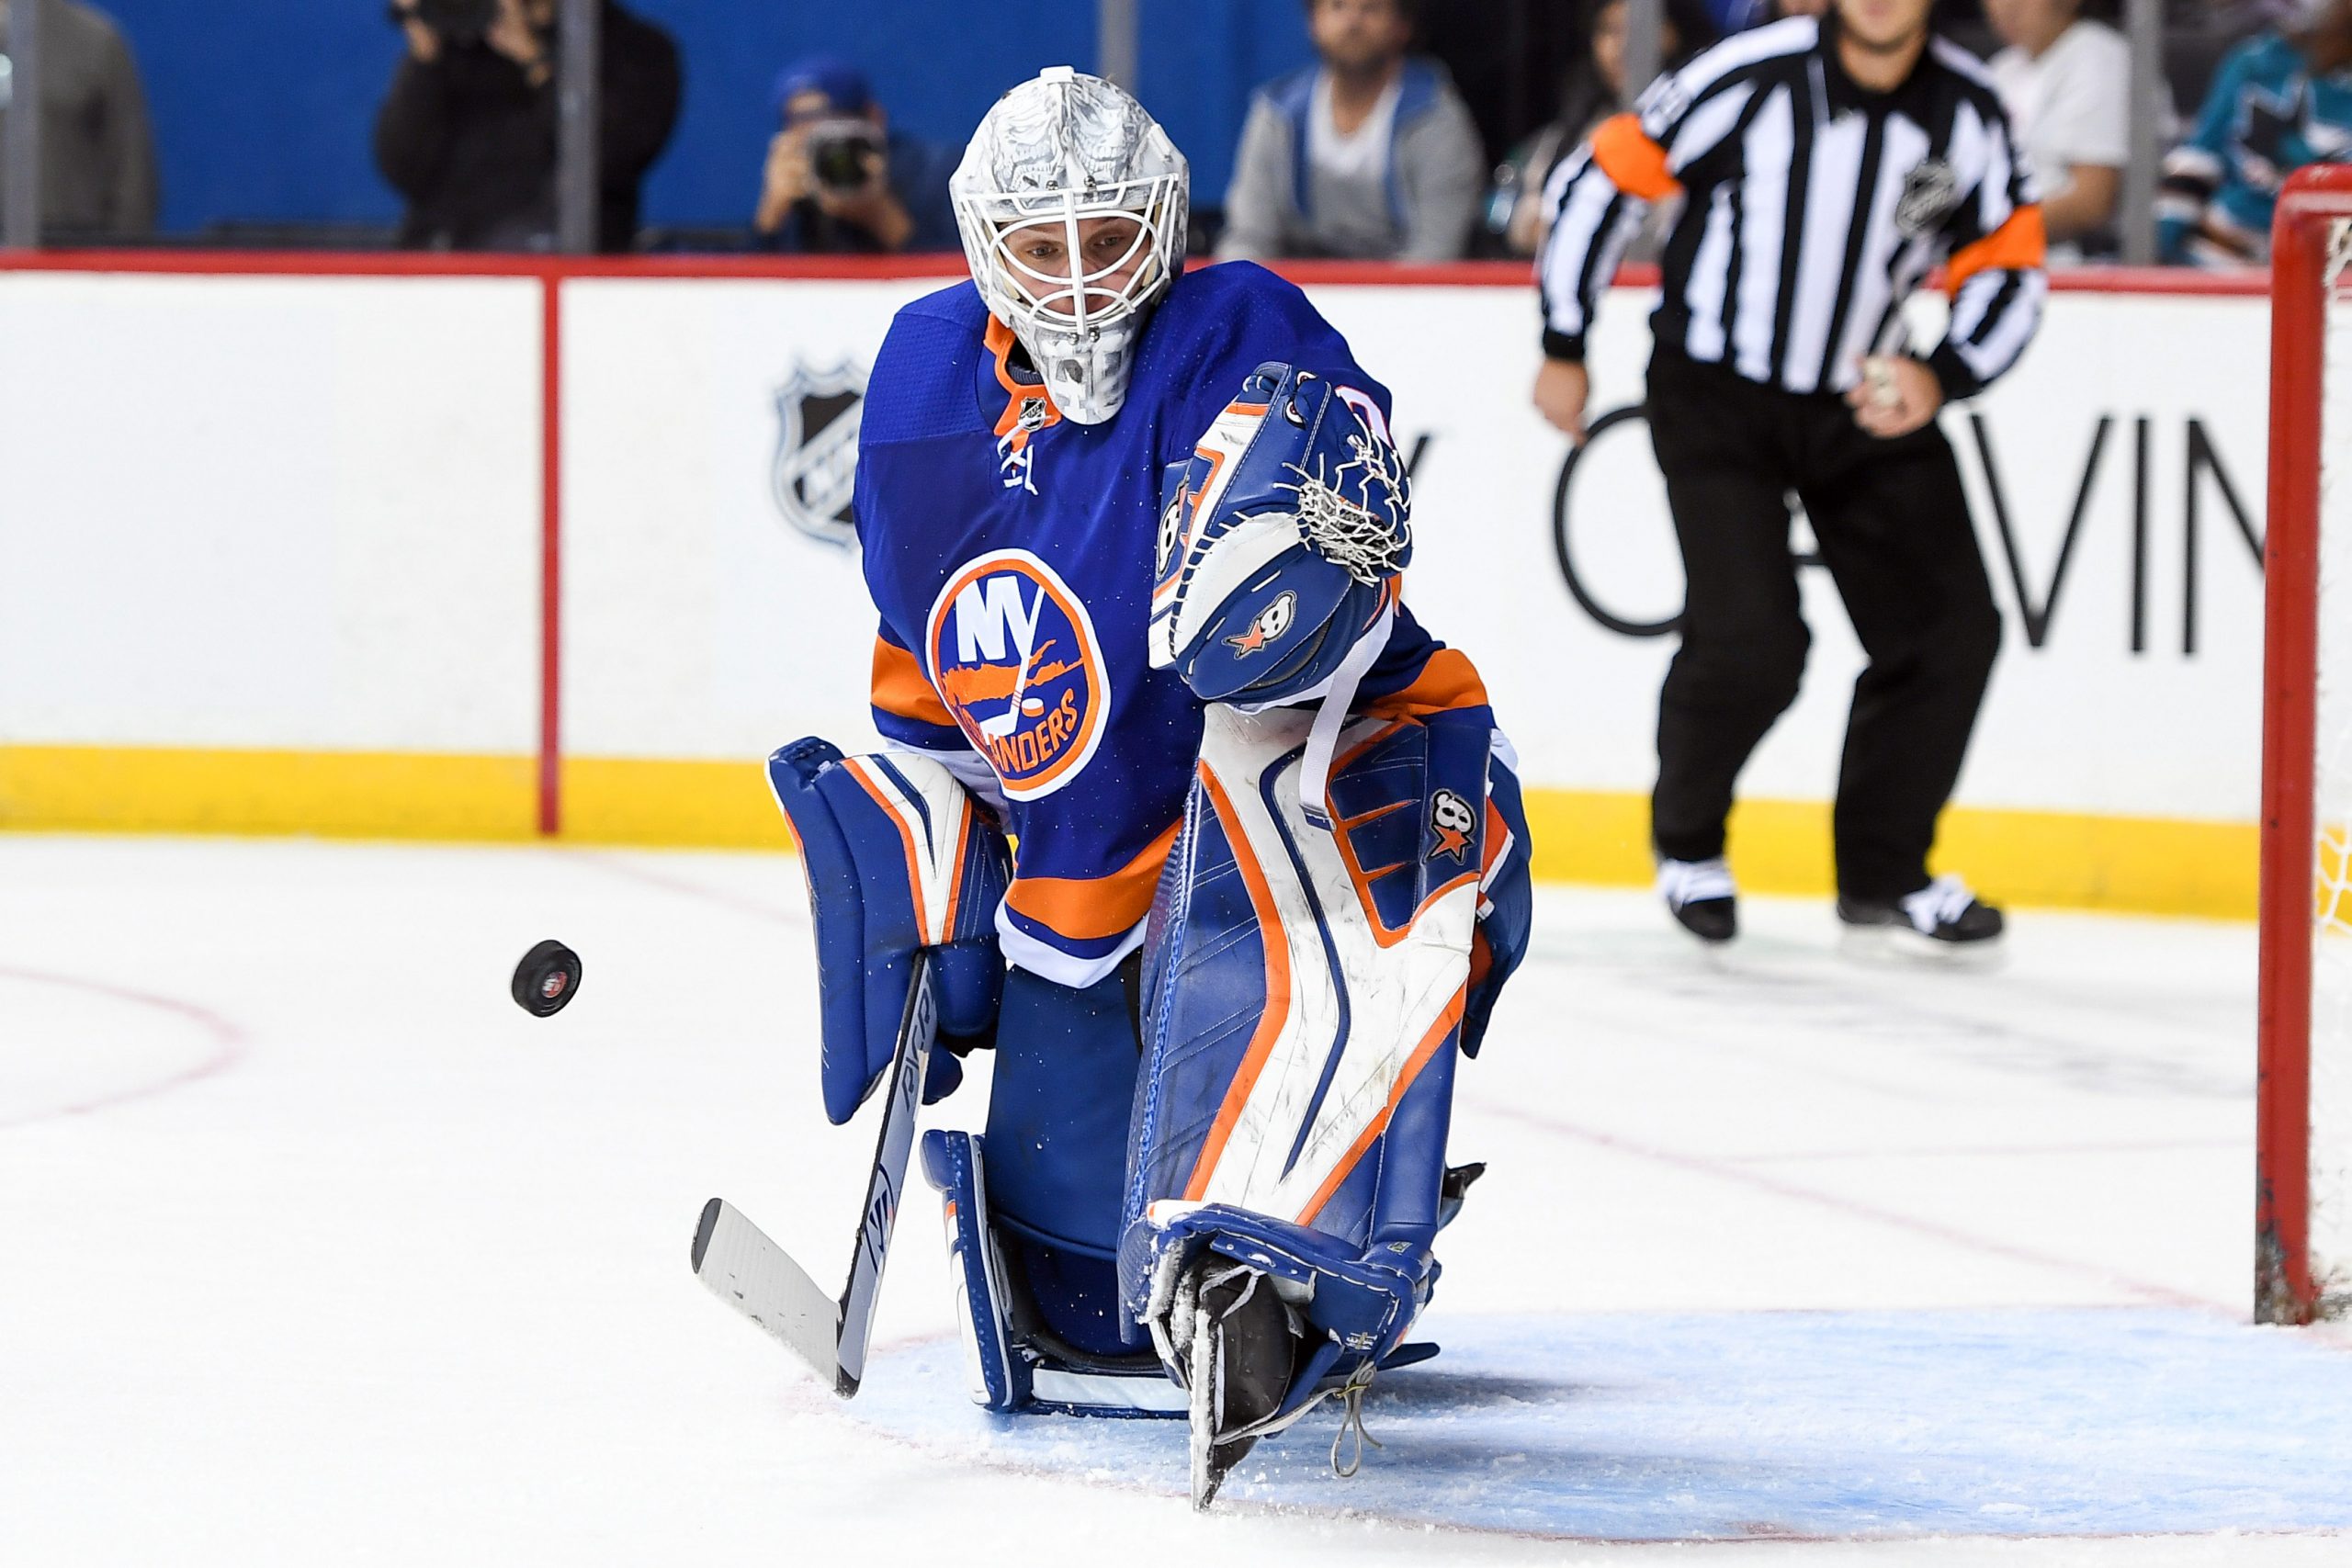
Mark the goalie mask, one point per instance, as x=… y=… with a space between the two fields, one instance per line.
x=1049 y=164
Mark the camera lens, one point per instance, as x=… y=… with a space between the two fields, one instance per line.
x=838 y=154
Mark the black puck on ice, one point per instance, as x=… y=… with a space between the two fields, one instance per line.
x=545 y=978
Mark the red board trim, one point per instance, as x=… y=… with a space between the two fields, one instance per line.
x=2249 y=284
x=550 y=782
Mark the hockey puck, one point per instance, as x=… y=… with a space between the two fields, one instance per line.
x=546 y=980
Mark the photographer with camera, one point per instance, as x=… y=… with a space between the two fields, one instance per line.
x=467 y=133
x=840 y=181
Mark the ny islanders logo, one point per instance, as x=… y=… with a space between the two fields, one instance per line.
x=1013 y=652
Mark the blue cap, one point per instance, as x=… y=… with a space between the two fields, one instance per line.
x=843 y=84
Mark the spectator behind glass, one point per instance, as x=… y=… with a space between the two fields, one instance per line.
x=1370 y=153
x=97 y=156
x=839 y=180
x=1593 y=89
x=467 y=133
x=2067 y=86
x=2281 y=101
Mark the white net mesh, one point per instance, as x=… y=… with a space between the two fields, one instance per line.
x=2331 y=1087
x=1356 y=516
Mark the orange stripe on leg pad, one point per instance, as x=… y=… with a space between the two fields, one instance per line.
x=2017 y=245
x=1439 y=1032
x=1269 y=1022
x=1633 y=163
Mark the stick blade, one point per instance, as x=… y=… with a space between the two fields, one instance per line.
x=742 y=1267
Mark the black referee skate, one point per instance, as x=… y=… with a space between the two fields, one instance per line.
x=1699 y=893
x=1943 y=920
x=1239 y=1356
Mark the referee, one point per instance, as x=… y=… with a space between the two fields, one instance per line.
x=1824 y=167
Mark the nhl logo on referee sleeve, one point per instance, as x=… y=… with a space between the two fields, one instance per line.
x=1929 y=193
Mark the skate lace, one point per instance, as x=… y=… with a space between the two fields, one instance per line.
x=1351 y=1421
x=1940 y=903
x=1692 y=881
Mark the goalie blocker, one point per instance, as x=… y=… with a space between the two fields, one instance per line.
x=899 y=858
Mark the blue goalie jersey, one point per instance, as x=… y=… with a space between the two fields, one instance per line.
x=1011 y=553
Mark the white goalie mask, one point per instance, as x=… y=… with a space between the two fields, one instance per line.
x=1053 y=154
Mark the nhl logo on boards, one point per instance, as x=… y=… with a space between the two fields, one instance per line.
x=815 y=470
x=1013 y=652
x=1452 y=821
x=1929 y=193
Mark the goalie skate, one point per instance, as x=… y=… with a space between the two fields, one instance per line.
x=1238 y=1357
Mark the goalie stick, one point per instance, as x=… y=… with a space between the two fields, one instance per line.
x=742 y=1267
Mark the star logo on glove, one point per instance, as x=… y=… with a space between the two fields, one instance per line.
x=1452 y=821
x=1272 y=622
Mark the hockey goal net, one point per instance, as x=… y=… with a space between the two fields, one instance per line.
x=2303 y=1262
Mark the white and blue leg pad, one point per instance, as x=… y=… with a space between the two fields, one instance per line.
x=1303 y=995
x=899 y=858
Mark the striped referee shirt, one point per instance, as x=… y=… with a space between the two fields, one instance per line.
x=1811 y=208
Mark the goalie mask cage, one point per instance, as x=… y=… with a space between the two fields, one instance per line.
x=2303 y=1200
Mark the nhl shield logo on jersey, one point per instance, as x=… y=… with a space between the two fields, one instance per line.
x=1014 y=654
x=815 y=469
x=1930 y=192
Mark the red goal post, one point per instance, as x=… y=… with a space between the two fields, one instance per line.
x=2311 y=237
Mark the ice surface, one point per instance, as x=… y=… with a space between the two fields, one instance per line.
x=1723 y=1427
x=315 y=1249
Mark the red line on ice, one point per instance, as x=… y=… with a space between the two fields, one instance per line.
x=1701 y=1165
x=228 y=1044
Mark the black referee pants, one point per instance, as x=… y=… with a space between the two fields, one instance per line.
x=1894 y=530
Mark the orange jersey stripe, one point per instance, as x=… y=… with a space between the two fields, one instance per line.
x=1448 y=681
x=999 y=341
x=1269 y=1022
x=1090 y=908
x=1633 y=163
x=901 y=687
x=2021 y=244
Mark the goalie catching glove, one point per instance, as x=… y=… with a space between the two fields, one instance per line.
x=1280 y=543
x=899 y=858
x=1278 y=540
